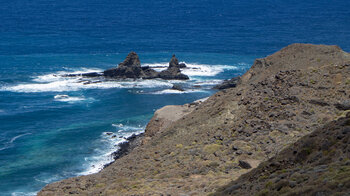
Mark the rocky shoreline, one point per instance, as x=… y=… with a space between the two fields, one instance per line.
x=284 y=116
x=162 y=118
x=126 y=147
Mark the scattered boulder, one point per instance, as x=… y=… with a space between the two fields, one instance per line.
x=345 y=105
x=232 y=83
x=244 y=164
x=177 y=87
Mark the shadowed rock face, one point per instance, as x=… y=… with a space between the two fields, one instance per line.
x=175 y=63
x=172 y=73
x=129 y=68
x=282 y=98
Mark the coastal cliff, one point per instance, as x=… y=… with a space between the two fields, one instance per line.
x=282 y=98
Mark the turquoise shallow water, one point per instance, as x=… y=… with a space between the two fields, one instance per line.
x=44 y=139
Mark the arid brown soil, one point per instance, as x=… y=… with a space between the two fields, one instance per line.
x=317 y=164
x=282 y=98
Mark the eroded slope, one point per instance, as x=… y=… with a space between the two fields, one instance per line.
x=280 y=99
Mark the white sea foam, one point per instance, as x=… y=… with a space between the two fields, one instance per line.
x=196 y=69
x=54 y=82
x=205 y=70
x=65 y=84
x=207 y=82
x=56 y=76
x=66 y=98
x=103 y=155
x=24 y=193
x=171 y=91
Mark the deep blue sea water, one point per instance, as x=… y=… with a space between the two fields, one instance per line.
x=44 y=138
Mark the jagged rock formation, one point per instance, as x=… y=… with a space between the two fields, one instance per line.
x=175 y=63
x=131 y=68
x=317 y=164
x=282 y=98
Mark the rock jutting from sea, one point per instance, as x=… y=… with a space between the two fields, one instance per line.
x=131 y=68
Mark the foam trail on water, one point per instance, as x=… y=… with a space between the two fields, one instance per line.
x=18 y=136
x=10 y=144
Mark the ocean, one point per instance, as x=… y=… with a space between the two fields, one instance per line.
x=52 y=127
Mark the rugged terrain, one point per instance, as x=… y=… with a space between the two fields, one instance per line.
x=317 y=164
x=282 y=98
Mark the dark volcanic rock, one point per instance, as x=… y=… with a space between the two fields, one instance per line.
x=172 y=73
x=232 y=83
x=345 y=105
x=175 y=63
x=244 y=164
x=177 y=87
x=149 y=73
x=129 y=68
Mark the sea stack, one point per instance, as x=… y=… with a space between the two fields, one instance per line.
x=175 y=63
x=173 y=72
x=129 y=68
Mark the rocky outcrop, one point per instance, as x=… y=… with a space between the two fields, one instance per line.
x=235 y=130
x=228 y=83
x=129 y=68
x=172 y=73
x=177 y=87
x=175 y=63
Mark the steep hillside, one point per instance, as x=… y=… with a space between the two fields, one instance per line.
x=280 y=99
x=317 y=164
